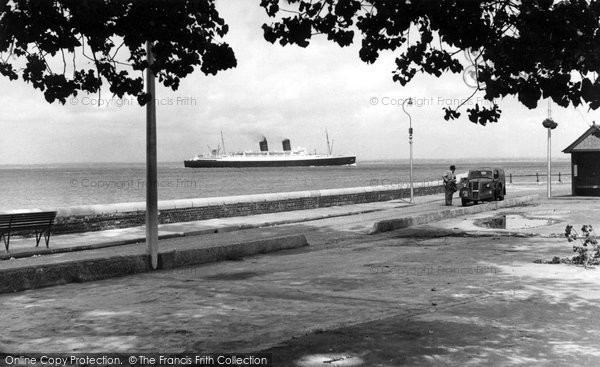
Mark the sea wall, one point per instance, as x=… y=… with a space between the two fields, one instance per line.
x=122 y=215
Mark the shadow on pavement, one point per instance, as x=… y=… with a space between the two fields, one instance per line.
x=533 y=326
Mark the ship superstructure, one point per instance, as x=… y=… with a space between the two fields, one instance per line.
x=287 y=157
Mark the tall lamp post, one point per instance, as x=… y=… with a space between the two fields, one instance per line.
x=151 y=165
x=410 y=142
x=550 y=125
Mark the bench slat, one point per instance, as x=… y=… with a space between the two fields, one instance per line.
x=18 y=221
x=24 y=225
x=35 y=219
x=29 y=219
x=28 y=213
x=27 y=216
x=32 y=216
x=26 y=220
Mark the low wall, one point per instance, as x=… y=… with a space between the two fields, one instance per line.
x=110 y=216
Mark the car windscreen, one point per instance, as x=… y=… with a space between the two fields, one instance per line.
x=481 y=174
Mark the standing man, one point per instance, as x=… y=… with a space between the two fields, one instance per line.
x=450 y=184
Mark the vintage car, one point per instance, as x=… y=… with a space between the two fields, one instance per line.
x=483 y=184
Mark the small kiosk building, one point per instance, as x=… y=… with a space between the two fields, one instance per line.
x=585 y=163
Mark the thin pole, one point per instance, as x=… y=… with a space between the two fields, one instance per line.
x=549 y=178
x=223 y=142
x=549 y=185
x=151 y=167
x=410 y=143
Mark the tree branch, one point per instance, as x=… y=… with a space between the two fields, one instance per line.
x=468 y=99
x=64 y=61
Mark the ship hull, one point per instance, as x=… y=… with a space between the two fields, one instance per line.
x=221 y=163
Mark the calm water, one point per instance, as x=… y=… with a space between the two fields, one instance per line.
x=49 y=186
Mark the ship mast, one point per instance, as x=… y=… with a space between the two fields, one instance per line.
x=328 y=146
x=223 y=142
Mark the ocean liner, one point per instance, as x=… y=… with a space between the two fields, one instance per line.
x=266 y=158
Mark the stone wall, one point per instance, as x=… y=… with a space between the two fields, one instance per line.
x=123 y=215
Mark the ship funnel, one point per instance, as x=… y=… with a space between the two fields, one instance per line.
x=263 y=145
x=286 y=145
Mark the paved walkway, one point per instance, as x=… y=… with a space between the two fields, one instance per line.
x=438 y=295
x=20 y=247
x=23 y=247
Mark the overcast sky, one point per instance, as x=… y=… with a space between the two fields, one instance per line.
x=278 y=92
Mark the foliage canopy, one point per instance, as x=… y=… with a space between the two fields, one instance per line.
x=530 y=49
x=41 y=40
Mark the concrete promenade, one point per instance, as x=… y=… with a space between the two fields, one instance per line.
x=438 y=293
x=111 y=253
x=22 y=247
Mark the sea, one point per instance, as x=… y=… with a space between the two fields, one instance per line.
x=61 y=185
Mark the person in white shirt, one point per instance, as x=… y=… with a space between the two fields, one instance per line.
x=449 y=184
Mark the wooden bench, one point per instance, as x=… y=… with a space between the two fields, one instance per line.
x=39 y=222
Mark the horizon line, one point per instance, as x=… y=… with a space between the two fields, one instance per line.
x=519 y=159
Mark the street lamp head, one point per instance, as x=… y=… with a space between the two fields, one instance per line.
x=410 y=102
x=549 y=124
